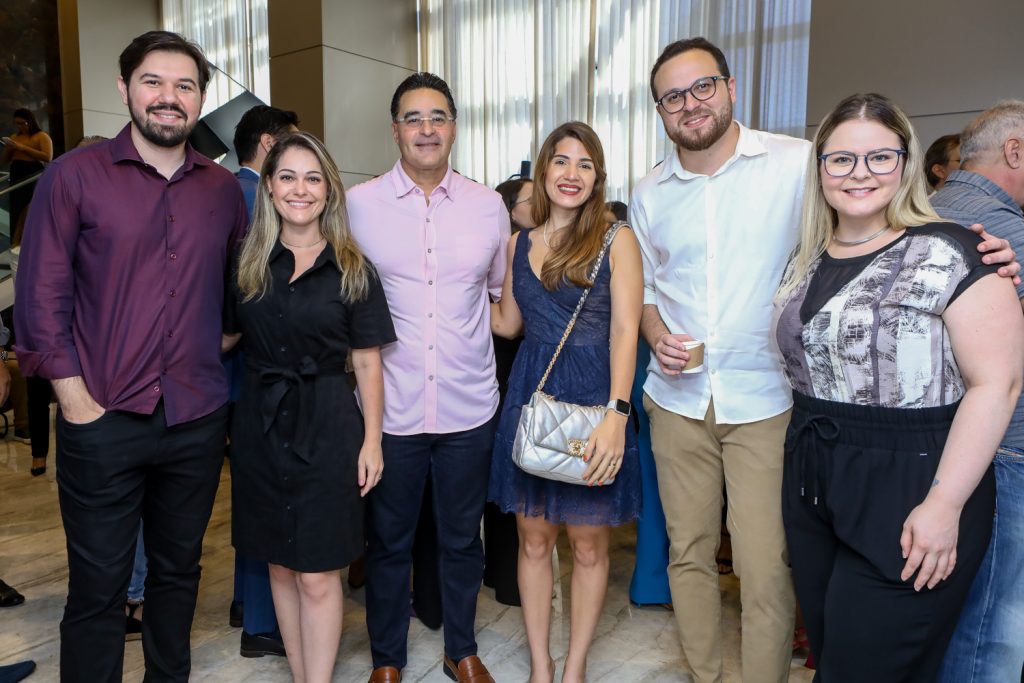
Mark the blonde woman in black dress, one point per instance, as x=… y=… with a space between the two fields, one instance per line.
x=303 y=453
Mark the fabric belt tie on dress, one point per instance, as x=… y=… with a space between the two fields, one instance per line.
x=277 y=382
x=811 y=434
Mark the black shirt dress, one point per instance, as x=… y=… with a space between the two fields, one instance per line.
x=297 y=430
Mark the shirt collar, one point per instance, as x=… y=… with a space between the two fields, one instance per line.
x=404 y=184
x=123 y=149
x=325 y=256
x=979 y=181
x=748 y=145
x=245 y=170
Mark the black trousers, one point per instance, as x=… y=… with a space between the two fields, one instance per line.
x=39 y=394
x=110 y=473
x=851 y=477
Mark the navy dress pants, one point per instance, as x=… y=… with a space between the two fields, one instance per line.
x=458 y=465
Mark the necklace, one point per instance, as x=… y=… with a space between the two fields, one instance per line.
x=302 y=246
x=856 y=242
x=544 y=234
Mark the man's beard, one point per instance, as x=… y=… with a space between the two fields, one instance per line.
x=700 y=140
x=161 y=135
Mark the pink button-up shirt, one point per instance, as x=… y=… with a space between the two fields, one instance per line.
x=437 y=262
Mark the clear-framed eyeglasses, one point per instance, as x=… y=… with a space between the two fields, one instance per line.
x=878 y=161
x=701 y=90
x=417 y=121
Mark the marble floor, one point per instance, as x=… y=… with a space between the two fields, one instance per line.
x=632 y=644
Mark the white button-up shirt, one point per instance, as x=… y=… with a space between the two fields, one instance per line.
x=437 y=263
x=714 y=250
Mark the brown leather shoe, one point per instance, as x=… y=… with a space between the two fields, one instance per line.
x=385 y=674
x=468 y=670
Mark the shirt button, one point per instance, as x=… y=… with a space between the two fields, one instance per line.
x=291 y=289
x=285 y=477
x=287 y=507
x=157 y=388
x=174 y=256
x=430 y=347
x=431 y=378
x=430 y=315
x=286 y=444
x=174 y=293
x=284 y=412
x=171 y=333
x=283 y=349
x=430 y=251
x=170 y=218
x=428 y=220
x=714 y=371
x=430 y=282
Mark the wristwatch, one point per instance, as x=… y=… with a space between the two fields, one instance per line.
x=3 y=354
x=621 y=407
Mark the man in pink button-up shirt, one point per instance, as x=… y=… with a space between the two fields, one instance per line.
x=438 y=241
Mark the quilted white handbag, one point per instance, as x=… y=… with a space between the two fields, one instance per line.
x=552 y=435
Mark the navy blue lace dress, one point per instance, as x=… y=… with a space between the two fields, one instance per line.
x=581 y=375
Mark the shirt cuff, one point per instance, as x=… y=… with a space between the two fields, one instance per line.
x=56 y=364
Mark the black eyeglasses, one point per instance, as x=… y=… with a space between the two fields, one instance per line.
x=878 y=161
x=701 y=89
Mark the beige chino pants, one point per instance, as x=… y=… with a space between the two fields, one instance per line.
x=693 y=458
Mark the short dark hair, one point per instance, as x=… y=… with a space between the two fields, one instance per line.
x=257 y=121
x=939 y=153
x=151 y=41
x=679 y=47
x=30 y=119
x=620 y=210
x=422 y=79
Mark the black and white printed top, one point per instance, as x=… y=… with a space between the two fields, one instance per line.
x=868 y=330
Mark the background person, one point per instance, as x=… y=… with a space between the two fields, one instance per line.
x=941 y=159
x=501 y=540
x=547 y=268
x=906 y=354
x=989 y=188
x=27 y=150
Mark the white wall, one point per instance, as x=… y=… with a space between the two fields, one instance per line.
x=942 y=61
x=93 y=34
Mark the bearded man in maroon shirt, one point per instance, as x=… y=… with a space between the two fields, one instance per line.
x=119 y=305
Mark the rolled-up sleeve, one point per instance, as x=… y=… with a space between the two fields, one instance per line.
x=46 y=282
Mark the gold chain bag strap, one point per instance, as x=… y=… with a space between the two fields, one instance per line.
x=552 y=435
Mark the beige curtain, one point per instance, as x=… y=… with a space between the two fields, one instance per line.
x=234 y=35
x=519 y=68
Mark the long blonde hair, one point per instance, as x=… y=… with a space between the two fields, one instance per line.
x=572 y=257
x=909 y=206
x=254 y=262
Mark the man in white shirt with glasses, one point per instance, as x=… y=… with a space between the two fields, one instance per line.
x=716 y=224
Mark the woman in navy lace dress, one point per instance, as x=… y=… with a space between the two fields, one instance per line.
x=548 y=267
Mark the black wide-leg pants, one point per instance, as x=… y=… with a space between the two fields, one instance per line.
x=852 y=475
x=111 y=473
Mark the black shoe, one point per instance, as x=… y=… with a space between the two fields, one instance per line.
x=235 y=614
x=22 y=436
x=9 y=597
x=132 y=624
x=261 y=644
x=12 y=673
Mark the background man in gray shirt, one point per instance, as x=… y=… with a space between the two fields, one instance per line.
x=989 y=189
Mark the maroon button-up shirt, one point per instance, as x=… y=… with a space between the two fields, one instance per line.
x=121 y=278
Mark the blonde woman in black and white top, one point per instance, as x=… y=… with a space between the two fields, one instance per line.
x=905 y=354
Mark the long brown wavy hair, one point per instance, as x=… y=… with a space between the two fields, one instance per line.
x=254 y=261
x=572 y=258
